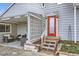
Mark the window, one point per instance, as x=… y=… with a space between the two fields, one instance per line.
x=4 y=28
x=51 y=25
x=7 y=28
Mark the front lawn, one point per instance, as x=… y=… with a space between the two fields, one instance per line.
x=70 y=47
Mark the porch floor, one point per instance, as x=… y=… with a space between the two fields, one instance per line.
x=15 y=44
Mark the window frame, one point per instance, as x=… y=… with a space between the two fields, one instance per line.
x=5 y=28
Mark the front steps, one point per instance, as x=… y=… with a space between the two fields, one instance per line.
x=46 y=44
x=50 y=43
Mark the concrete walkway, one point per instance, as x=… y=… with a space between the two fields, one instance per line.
x=14 y=49
x=10 y=51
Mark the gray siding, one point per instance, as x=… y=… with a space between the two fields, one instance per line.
x=23 y=8
x=36 y=28
x=66 y=21
x=77 y=31
x=50 y=8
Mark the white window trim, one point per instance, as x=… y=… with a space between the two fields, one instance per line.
x=5 y=28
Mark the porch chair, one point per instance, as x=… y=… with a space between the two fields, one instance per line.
x=8 y=38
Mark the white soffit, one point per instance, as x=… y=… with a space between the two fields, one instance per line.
x=15 y=19
x=5 y=19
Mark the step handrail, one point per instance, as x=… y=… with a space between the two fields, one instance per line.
x=42 y=37
x=44 y=33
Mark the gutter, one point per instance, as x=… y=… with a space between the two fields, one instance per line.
x=7 y=9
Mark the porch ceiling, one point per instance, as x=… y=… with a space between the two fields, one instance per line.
x=14 y=20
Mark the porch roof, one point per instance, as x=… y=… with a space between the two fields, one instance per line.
x=19 y=18
x=14 y=19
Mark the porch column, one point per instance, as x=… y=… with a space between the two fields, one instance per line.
x=28 y=18
x=74 y=23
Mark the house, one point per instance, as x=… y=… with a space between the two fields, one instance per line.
x=24 y=20
x=32 y=19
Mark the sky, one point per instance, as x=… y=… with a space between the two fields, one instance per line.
x=3 y=7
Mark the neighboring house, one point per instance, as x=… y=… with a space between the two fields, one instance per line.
x=31 y=18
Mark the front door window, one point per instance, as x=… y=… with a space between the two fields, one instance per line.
x=51 y=26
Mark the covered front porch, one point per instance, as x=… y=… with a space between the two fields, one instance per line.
x=29 y=24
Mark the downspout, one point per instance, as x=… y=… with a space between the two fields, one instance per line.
x=74 y=23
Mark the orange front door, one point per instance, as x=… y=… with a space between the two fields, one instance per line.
x=51 y=26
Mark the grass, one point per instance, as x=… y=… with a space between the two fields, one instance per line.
x=70 y=47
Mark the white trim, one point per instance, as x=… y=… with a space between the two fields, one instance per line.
x=5 y=19
x=35 y=16
x=28 y=18
x=46 y=27
x=16 y=16
x=74 y=24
